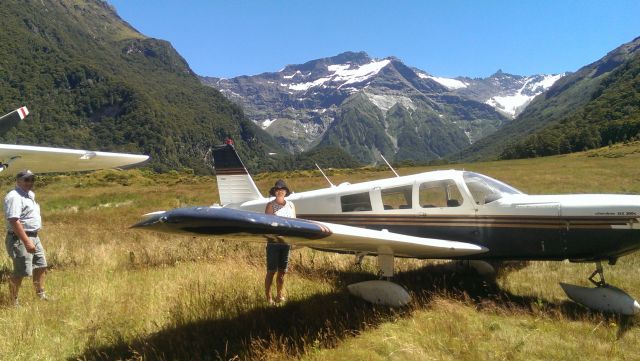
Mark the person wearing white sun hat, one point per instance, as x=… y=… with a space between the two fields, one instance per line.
x=277 y=250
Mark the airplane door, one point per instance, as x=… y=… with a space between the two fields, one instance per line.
x=445 y=212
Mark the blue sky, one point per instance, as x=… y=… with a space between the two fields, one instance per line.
x=445 y=38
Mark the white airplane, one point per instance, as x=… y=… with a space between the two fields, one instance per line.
x=447 y=214
x=13 y=158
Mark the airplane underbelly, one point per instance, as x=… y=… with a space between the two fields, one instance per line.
x=576 y=238
x=603 y=242
x=524 y=242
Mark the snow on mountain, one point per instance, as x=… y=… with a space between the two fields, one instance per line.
x=292 y=75
x=266 y=123
x=510 y=104
x=515 y=102
x=359 y=74
x=307 y=85
x=447 y=82
x=331 y=99
x=549 y=80
x=340 y=73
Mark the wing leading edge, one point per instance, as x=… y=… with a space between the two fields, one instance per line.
x=13 y=158
x=321 y=235
x=47 y=159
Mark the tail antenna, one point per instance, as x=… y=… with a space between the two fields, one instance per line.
x=389 y=165
x=324 y=175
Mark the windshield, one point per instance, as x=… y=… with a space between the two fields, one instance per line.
x=486 y=189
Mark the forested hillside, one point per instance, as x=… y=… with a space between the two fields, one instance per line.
x=611 y=116
x=597 y=105
x=92 y=81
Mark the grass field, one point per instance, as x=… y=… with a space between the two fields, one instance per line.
x=125 y=294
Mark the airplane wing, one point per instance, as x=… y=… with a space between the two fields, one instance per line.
x=13 y=158
x=321 y=235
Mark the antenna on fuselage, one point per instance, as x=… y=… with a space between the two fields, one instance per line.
x=324 y=175
x=389 y=165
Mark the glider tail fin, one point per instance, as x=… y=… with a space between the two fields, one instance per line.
x=12 y=119
x=235 y=185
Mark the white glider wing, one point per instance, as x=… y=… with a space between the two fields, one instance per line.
x=320 y=235
x=13 y=158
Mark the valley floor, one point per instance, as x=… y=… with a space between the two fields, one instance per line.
x=126 y=294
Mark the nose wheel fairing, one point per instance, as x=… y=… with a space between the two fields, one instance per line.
x=603 y=297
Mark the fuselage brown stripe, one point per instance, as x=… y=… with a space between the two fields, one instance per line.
x=458 y=221
x=231 y=171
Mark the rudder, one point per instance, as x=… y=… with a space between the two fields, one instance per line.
x=235 y=184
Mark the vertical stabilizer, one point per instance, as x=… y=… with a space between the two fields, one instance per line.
x=12 y=119
x=234 y=182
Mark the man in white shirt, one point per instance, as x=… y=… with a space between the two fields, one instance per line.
x=22 y=213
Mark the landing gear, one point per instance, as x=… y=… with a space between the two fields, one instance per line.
x=385 y=266
x=603 y=297
x=359 y=259
x=381 y=291
x=4 y=165
x=482 y=268
x=600 y=273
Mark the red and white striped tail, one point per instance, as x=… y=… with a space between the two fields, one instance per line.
x=12 y=119
x=23 y=112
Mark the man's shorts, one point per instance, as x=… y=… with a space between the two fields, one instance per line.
x=277 y=257
x=23 y=261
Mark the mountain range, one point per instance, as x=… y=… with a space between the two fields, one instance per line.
x=379 y=106
x=93 y=81
x=597 y=105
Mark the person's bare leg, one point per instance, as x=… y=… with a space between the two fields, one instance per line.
x=280 y=286
x=268 y=281
x=14 y=287
x=38 y=280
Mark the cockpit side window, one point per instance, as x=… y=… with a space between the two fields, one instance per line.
x=486 y=189
x=397 y=197
x=356 y=202
x=439 y=194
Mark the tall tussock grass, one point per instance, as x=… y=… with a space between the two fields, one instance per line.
x=131 y=295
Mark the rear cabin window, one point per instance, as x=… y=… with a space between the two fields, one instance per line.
x=439 y=194
x=356 y=202
x=397 y=198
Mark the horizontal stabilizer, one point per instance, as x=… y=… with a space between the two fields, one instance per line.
x=321 y=235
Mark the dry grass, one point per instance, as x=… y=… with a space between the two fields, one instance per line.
x=124 y=294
